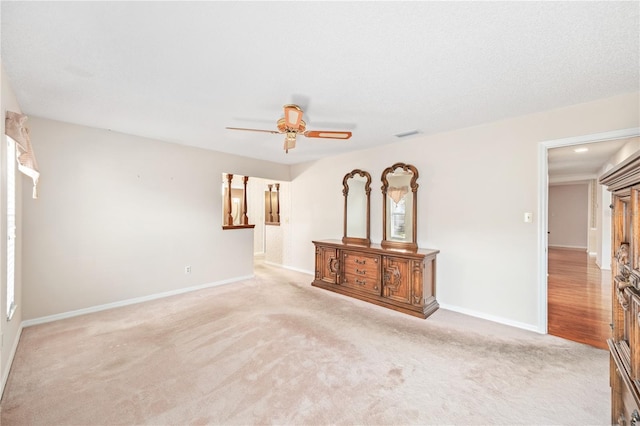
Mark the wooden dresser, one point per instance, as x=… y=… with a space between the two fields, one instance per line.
x=624 y=345
x=402 y=280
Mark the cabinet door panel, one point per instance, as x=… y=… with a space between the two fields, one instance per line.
x=327 y=264
x=396 y=276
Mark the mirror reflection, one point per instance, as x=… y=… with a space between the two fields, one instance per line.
x=399 y=203
x=399 y=190
x=356 y=191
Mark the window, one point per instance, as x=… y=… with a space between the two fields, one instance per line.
x=11 y=226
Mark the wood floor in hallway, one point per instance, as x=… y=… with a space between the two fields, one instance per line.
x=579 y=297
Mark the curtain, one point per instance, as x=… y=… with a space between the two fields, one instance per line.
x=397 y=194
x=16 y=129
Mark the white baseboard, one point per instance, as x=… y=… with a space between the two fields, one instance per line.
x=70 y=314
x=291 y=268
x=568 y=246
x=603 y=268
x=492 y=318
x=11 y=355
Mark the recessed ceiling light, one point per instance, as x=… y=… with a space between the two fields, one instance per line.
x=581 y=149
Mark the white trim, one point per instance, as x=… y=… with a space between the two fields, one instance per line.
x=98 y=308
x=568 y=246
x=11 y=355
x=543 y=194
x=543 y=226
x=291 y=268
x=491 y=318
x=593 y=138
x=572 y=179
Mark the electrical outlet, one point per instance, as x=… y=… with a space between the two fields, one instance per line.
x=187 y=269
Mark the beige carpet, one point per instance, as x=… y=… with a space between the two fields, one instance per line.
x=274 y=350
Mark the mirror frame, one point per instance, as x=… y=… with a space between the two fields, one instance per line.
x=406 y=245
x=345 y=191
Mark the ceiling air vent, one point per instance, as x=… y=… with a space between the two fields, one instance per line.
x=407 y=134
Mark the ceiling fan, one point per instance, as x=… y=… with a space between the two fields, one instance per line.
x=292 y=125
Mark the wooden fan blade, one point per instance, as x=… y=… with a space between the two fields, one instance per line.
x=327 y=134
x=275 y=132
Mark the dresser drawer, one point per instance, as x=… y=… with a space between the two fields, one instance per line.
x=358 y=282
x=361 y=265
x=361 y=271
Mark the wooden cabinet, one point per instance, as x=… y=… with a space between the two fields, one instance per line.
x=327 y=258
x=403 y=280
x=624 y=183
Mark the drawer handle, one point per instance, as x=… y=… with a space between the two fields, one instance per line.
x=358 y=271
x=361 y=282
x=360 y=262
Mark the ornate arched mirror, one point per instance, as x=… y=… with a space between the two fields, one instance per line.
x=399 y=208
x=356 y=191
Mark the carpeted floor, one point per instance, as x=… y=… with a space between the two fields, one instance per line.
x=274 y=350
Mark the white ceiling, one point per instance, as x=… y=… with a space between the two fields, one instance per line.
x=183 y=71
x=565 y=165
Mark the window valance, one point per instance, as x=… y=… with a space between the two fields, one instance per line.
x=16 y=129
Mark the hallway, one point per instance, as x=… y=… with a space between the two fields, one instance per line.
x=579 y=297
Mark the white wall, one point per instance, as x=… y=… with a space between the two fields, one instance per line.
x=568 y=214
x=475 y=185
x=119 y=217
x=268 y=239
x=632 y=146
x=9 y=330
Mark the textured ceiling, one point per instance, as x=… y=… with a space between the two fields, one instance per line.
x=565 y=164
x=183 y=71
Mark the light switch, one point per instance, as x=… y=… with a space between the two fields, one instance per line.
x=528 y=217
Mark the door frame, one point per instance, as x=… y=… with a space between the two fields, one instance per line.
x=543 y=201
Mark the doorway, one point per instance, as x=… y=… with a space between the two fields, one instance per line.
x=543 y=196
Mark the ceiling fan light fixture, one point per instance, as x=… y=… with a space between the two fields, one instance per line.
x=292 y=125
x=289 y=141
x=292 y=116
x=284 y=127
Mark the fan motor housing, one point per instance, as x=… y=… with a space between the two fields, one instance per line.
x=282 y=126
